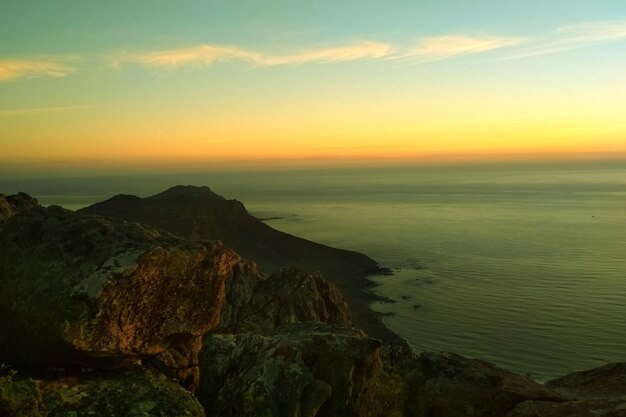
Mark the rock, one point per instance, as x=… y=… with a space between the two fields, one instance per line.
x=299 y=370
x=13 y=204
x=80 y=290
x=598 y=392
x=605 y=381
x=90 y=291
x=197 y=213
x=611 y=407
x=288 y=296
x=124 y=393
x=187 y=191
x=449 y=385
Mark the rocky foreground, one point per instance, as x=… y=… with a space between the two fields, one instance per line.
x=107 y=317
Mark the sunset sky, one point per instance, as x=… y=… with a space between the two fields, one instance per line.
x=138 y=82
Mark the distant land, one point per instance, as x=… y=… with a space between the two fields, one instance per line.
x=197 y=213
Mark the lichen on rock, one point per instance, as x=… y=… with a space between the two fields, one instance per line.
x=299 y=370
x=90 y=291
x=132 y=392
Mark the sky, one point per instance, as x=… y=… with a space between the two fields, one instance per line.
x=119 y=83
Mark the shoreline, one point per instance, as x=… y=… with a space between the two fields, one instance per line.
x=360 y=299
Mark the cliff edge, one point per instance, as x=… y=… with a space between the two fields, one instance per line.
x=197 y=213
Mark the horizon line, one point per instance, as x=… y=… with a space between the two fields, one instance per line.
x=279 y=163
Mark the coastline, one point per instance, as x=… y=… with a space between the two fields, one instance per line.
x=360 y=301
x=197 y=213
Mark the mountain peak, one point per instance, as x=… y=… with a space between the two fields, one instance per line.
x=192 y=191
x=12 y=204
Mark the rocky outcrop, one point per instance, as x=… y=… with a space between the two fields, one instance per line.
x=599 y=407
x=90 y=291
x=288 y=296
x=197 y=213
x=80 y=290
x=605 y=381
x=449 y=385
x=13 y=204
x=599 y=392
x=299 y=370
x=125 y=393
x=319 y=370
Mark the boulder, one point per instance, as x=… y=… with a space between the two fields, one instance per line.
x=13 y=204
x=89 y=291
x=605 y=381
x=449 y=385
x=123 y=393
x=594 y=407
x=598 y=392
x=300 y=370
x=288 y=296
x=95 y=292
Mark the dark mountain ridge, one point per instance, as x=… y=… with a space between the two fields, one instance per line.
x=197 y=213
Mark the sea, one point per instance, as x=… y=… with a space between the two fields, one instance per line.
x=519 y=264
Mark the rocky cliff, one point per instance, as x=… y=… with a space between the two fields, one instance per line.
x=105 y=317
x=13 y=204
x=197 y=213
x=96 y=292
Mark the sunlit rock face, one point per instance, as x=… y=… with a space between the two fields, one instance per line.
x=91 y=291
x=13 y=204
x=259 y=303
x=83 y=290
x=197 y=213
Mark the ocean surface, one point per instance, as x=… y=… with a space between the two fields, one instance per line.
x=520 y=265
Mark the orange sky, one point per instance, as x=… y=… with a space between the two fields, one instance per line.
x=461 y=88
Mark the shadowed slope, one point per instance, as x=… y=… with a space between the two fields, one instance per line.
x=198 y=213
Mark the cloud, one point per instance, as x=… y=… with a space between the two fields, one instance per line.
x=433 y=48
x=196 y=55
x=17 y=68
x=442 y=47
x=596 y=31
x=351 y=52
x=209 y=54
x=576 y=36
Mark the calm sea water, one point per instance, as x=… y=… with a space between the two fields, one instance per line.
x=521 y=265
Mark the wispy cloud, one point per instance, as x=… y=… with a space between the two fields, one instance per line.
x=432 y=48
x=575 y=36
x=352 y=52
x=196 y=55
x=208 y=54
x=16 y=68
x=442 y=47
